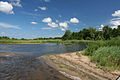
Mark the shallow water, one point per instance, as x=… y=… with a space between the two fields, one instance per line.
x=27 y=65
x=40 y=49
x=27 y=68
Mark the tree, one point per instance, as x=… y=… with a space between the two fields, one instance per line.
x=98 y=35
x=107 y=32
x=118 y=29
x=86 y=34
x=4 y=37
x=67 y=35
x=92 y=32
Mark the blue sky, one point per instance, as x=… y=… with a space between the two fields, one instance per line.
x=50 y=18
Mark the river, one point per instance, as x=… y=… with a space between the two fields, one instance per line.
x=27 y=63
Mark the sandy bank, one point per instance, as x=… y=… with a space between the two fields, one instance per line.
x=80 y=67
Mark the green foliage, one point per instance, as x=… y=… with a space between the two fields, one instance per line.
x=4 y=37
x=92 y=34
x=107 y=56
x=107 y=32
x=105 y=53
x=67 y=35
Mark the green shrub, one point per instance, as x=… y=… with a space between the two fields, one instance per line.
x=105 y=53
x=107 y=56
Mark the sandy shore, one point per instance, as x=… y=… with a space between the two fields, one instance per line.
x=79 y=67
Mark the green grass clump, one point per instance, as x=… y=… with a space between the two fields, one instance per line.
x=105 y=53
x=107 y=56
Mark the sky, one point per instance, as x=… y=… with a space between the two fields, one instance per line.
x=51 y=18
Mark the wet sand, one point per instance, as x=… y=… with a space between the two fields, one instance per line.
x=20 y=67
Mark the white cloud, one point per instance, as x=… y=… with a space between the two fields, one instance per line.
x=46 y=28
x=63 y=24
x=16 y=3
x=34 y=23
x=63 y=29
x=5 y=25
x=6 y=7
x=74 y=20
x=115 y=22
x=101 y=27
x=47 y=20
x=47 y=0
x=116 y=14
x=43 y=8
x=53 y=24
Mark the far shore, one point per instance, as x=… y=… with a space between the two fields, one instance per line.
x=43 y=41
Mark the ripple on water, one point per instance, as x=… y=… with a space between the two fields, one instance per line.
x=27 y=68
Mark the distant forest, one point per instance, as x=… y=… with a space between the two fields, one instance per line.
x=90 y=33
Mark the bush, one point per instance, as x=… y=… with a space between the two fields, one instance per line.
x=105 y=53
x=107 y=56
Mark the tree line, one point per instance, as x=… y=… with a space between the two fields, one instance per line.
x=8 y=38
x=92 y=33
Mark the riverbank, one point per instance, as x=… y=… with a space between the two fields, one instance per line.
x=42 y=41
x=79 y=66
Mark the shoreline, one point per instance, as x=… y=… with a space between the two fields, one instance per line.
x=75 y=66
x=78 y=66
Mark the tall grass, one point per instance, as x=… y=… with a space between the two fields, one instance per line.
x=105 y=53
x=107 y=56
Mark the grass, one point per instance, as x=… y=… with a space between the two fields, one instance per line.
x=41 y=41
x=105 y=54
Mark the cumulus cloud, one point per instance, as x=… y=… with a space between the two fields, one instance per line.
x=116 y=14
x=47 y=20
x=6 y=7
x=115 y=22
x=53 y=24
x=5 y=25
x=74 y=20
x=34 y=23
x=63 y=24
x=43 y=8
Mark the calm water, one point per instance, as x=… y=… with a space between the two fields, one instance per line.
x=40 y=49
x=28 y=65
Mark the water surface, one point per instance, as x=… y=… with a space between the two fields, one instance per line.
x=40 y=49
x=27 y=65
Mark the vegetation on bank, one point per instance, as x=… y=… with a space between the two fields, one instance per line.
x=42 y=41
x=105 y=48
x=105 y=54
